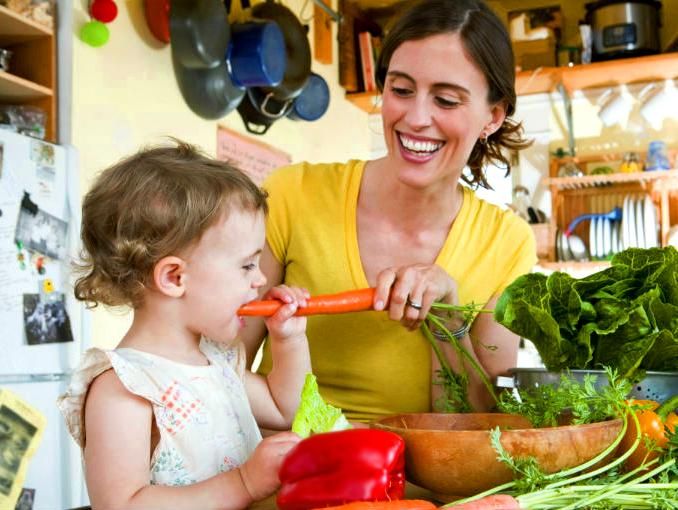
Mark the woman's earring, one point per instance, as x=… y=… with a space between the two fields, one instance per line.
x=483 y=139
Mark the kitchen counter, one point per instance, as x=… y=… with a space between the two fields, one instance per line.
x=411 y=492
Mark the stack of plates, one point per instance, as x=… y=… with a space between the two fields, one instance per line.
x=637 y=229
x=639 y=223
x=604 y=238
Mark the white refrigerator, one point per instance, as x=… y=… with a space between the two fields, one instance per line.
x=43 y=329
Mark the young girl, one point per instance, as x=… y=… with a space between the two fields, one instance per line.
x=164 y=419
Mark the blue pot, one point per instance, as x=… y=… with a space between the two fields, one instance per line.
x=256 y=54
x=313 y=101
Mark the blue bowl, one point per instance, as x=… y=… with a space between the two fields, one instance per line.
x=313 y=101
x=256 y=54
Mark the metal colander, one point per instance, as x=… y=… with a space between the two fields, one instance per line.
x=658 y=386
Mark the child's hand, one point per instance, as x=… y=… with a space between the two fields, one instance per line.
x=283 y=325
x=260 y=472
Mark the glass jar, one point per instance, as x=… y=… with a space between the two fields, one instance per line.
x=630 y=164
x=657 y=157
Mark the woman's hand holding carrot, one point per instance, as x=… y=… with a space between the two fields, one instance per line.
x=409 y=291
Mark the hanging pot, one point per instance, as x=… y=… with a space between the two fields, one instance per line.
x=297 y=47
x=256 y=54
x=199 y=33
x=313 y=101
x=259 y=110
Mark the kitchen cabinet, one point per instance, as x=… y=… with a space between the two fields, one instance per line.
x=31 y=78
x=573 y=196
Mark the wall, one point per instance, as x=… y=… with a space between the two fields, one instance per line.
x=124 y=95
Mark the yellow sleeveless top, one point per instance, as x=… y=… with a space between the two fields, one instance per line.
x=365 y=363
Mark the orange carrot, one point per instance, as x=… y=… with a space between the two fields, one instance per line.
x=349 y=301
x=401 y=504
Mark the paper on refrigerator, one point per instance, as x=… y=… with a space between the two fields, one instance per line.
x=21 y=428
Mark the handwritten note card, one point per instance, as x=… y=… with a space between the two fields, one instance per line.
x=257 y=159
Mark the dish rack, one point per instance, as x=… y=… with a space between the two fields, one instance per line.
x=577 y=195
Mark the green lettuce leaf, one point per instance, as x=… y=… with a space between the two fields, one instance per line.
x=314 y=414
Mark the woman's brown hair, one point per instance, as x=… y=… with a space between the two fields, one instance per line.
x=487 y=42
x=148 y=206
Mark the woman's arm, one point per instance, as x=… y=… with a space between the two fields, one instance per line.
x=493 y=346
x=255 y=330
x=118 y=453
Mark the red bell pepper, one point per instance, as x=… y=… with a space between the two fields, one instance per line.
x=334 y=468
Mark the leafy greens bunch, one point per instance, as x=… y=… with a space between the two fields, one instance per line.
x=579 y=403
x=624 y=317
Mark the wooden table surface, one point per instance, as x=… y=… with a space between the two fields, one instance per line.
x=411 y=492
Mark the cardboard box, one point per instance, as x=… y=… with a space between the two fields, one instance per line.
x=533 y=54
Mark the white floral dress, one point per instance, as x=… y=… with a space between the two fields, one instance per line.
x=202 y=412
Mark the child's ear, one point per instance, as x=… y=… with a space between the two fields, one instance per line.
x=168 y=276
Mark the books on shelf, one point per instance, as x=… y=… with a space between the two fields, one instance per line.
x=367 y=61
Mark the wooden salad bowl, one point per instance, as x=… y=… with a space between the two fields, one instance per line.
x=451 y=454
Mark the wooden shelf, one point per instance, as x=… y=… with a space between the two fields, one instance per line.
x=17 y=28
x=588 y=181
x=617 y=72
x=543 y=79
x=14 y=88
x=369 y=102
x=597 y=74
x=31 y=79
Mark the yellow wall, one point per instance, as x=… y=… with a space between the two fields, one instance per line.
x=125 y=96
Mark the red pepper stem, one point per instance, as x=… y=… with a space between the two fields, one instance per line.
x=667 y=407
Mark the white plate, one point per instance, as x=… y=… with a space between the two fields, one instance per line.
x=640 y=223
x=607 y=237
x=632 y=242
x=650 y=221
x=559 y=249
x=619 y=238
x=600 y=240
x=625 y=224
x=592 y=238
x=565 y=247
x=614 y=237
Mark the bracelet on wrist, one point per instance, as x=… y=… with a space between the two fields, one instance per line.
x=458 y=333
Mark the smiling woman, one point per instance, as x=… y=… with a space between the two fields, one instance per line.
x=404 y=224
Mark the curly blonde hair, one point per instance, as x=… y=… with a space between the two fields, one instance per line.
x=148 y=206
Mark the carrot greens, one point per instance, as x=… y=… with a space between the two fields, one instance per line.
x=455 y=385
x=599 y=483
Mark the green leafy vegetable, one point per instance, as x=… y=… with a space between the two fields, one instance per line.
x=625 y=316
x=585 y=402
x=314 y=414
